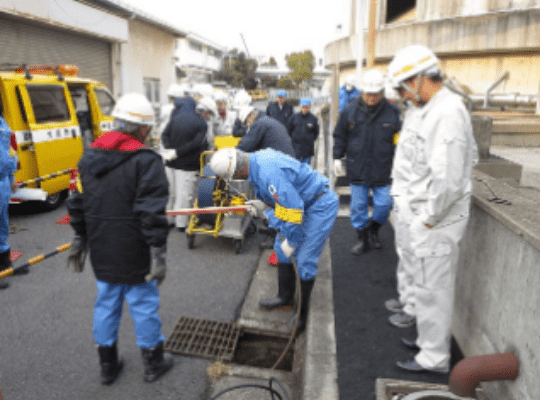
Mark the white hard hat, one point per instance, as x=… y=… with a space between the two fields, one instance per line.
x=410 y=61
x=202 y=89
x=207 y=104
x=241 y=99
x=221 y=96
x=223 y=163
x=244 y=113
x=176 y=90
x=373 y=81
x=134 y=108
x=351 y=80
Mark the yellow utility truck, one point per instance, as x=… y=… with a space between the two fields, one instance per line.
x=54 y=115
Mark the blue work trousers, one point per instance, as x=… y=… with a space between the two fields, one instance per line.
x=317 y=223
x=5 y=193
x=143 y=302
x=382 y=205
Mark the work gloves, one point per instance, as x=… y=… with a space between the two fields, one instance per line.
x=169 y=154
x=338 y=167
x=256 y=207
x=287 y=249
x=158 y=270
x=77 y=254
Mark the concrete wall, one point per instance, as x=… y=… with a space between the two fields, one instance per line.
x=157 y=46
x=497 y=297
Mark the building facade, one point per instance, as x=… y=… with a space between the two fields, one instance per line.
x=125 y=48
x=476 y=41
x=197 y=58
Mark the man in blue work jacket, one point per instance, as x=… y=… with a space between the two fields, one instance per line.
x=280 y=110
x=8 y=166
x=304 y=130
x=366 y=133
x=303 y=210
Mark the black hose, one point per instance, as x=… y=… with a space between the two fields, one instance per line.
x=269 y=388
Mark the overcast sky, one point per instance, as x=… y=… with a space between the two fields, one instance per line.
x=272 y=28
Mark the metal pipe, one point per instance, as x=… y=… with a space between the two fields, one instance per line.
x=493 y=86
x=468 y=373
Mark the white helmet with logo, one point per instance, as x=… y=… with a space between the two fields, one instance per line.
x=223 y=163
x=134 y=108
x=207 y=104
x=245 y=112
x=373 y=81
x=410 y=61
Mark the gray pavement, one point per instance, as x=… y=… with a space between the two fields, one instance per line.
x=47 y=349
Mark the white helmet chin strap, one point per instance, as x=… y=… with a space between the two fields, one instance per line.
x=414 y=93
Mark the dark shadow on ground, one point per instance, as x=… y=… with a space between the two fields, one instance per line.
x=367 y=345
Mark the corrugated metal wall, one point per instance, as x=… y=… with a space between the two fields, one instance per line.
x=39 y=44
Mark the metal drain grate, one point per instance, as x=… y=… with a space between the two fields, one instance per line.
x=203 y=338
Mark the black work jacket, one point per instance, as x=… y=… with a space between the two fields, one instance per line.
x=264 y=133
x=367 y=137
x=281 y=114
x=304 y=130
x=186 y=133
x=121 y=210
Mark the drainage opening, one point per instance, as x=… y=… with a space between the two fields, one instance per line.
x=203 y=338
x=263 y=350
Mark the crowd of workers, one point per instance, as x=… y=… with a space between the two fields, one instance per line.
x=415 y=163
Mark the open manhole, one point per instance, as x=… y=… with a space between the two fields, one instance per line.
x=228 y=342
x=262 y=350
x=203 y=338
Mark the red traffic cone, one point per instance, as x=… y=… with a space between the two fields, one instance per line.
x=72 y=187
x=272 y=260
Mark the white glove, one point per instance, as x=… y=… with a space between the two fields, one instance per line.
x=169 y=154
x=286 y=249
x=257 y=207
x=338 y=167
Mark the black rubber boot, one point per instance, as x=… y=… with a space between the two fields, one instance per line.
x=110 y=364
x=363 y=242
x=156 y=363
x=5 y=263
x=286 y=285
x=374 y=227
x=306 y=287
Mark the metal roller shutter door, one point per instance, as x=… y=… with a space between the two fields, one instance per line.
x=37 y=44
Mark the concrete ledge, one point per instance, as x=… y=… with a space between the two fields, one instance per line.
x=320 y=378
x=497 y=280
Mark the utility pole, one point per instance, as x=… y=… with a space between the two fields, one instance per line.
x=360 y=35
x=372 y=34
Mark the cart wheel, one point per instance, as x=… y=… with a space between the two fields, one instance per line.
x=238 y=246
x=251 y=229
x=190 y=241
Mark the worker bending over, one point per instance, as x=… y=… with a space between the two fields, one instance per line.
x=303 y=210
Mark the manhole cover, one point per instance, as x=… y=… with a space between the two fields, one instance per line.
x=203 y=338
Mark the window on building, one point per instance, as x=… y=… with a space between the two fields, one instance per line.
x=400 y=10
x=49 y=103
x=152 y=90
x=195 y=46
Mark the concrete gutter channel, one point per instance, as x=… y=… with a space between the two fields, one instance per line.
x=314 y=367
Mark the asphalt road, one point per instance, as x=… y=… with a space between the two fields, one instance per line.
x=47 y=350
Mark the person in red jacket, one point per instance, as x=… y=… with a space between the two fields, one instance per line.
x=119 y=217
